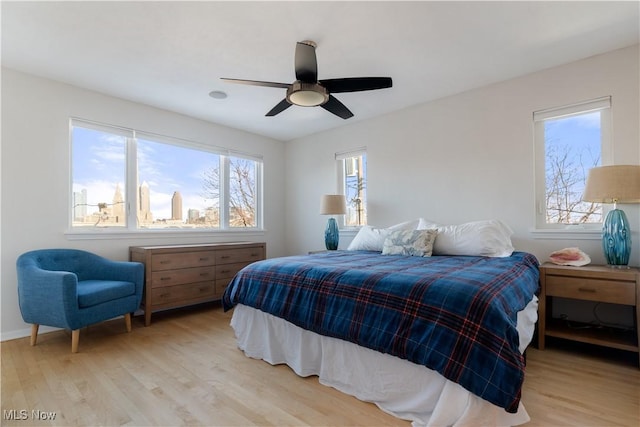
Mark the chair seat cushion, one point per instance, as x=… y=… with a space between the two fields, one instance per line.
x=94 y=292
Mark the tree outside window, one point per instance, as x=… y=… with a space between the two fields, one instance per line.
x=569 y=141
x=242 y=190
x=354 y=177
x=572 y=147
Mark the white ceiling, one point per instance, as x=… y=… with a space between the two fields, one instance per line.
x=172 y=54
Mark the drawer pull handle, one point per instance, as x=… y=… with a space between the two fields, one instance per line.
x=254 y=255
x=165 y=295
x=225 y=271
x=204 y=274
x=165 y=278
x=204 y=259
x=225 y=256
x=165 y=262
x=593 y=291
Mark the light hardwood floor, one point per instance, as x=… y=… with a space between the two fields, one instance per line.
x=185 y=369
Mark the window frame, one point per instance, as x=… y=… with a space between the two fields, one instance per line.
x=557 y=230
x=131 y=187
x=341 y=158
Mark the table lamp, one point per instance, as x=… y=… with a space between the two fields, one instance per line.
x=614 y=184
x=332 y=204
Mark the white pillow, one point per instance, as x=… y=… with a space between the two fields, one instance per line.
x=491 y=238
x=372 y=239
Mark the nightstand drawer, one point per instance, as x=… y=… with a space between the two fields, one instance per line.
x=610 y=291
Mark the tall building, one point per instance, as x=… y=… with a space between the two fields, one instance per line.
x=193 y=216
x=118 y=208
x=176 y=206
x=144 y=204
x=79 y=204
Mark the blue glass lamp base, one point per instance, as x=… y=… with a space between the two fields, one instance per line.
x=331 y=235
x=616 y=239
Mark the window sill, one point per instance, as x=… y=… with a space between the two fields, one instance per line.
x=567 y=233
x=106 y=234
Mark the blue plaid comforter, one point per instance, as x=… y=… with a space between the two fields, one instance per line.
x=453 y=314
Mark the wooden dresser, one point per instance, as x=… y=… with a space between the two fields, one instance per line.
x=181 y=275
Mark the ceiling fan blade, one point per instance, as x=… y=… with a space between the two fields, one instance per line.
x=356 y=84
x=306 y=63
x=282 y=105
x=256 y=83
x=336 y=107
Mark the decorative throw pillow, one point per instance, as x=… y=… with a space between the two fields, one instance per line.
x=410 y=242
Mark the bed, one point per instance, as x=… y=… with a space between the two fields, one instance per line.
x=436 y=340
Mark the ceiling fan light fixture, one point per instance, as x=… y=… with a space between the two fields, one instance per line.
x=307 y=94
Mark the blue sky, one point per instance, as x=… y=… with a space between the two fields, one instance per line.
x=167 y=168
x=580 y=134
x=99 y=163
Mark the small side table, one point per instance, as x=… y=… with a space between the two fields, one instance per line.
x=591 y=283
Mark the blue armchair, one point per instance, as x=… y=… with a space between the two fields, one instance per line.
x=71 y=288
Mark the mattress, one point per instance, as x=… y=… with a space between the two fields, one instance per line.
x=398 y=387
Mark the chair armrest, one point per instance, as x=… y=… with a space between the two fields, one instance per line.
x=47 y=297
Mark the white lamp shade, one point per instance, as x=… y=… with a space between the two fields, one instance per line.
x=333 y=204
x=613 y=184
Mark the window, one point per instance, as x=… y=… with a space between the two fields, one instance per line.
x=99 y=176
x=568 y=142
x=352 y=176
x=123 y=179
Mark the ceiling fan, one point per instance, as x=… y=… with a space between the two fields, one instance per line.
x=308 y=91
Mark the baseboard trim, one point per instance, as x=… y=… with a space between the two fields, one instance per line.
x=21 y=333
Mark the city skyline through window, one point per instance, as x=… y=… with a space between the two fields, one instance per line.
x=165 y=184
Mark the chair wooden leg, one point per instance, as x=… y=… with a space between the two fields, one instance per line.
x=75 y=338
x=34 y=333
x=127 y=321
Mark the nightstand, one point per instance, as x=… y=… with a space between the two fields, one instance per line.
x=589 y=283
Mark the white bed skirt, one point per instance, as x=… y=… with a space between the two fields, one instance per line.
x=398 y=387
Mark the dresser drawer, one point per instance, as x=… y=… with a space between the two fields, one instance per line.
x=182 y=260
x=185 y=275
x=227 y=271
x=600 y=290
x=221 y=285
x=239 y=255
x=182 y=293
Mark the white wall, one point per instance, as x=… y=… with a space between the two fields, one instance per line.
x=465 y=157
x=35 y=173
x=457 y=159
